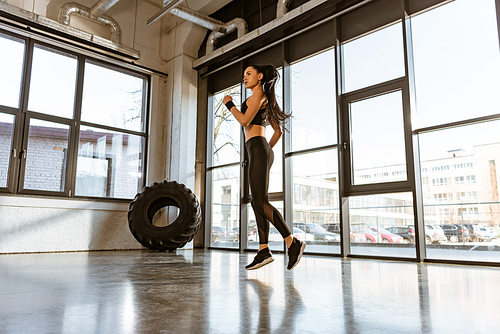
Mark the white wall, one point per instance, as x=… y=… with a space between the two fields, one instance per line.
x=170 y=46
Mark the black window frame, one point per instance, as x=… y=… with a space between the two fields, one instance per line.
x=22 y=116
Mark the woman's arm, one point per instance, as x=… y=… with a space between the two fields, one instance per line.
x=253 y=105
x=276 y=135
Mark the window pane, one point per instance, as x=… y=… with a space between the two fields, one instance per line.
x=314 y=122
x=382 y=225
x=11 y=67
x=375 y=58
x=225 y=207
x=276 y=174
x=6 y=129
x=316 y=200
x=377 y=139
x=47 y=156
x=457 y=62
x=226 y=130
x=112 y=98
x=109 y=164
x=461 y=182
x=53 y=82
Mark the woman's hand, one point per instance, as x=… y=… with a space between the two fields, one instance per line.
x=226 y=99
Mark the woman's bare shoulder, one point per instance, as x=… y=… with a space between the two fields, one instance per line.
x=258 y=97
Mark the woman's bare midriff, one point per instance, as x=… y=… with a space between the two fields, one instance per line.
x=253 y=130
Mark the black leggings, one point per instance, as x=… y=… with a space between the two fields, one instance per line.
x=260 y=159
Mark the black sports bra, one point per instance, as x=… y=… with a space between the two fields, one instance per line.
x=260 y=116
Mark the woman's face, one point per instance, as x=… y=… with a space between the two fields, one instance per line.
x=251 y=77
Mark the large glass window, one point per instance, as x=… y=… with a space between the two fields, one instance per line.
x=53 y=82
x=11 y=67
x=449 y=94
x=382 y=225
x=113 y=98
x=226 y=150
x=315 y=193
x=313 y=97
x=377 y=139
x=105 y=158
x=465 y=211
x=47 y=156
x=6 y=132
x=374 y=58
x=316 y=200
x=457 y=62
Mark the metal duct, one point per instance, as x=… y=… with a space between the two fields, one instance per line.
x=219 y=28
x=167 y=6
x=282 y=8
x=199 y=19
x=73 y=8
x=100 y=7
x=236 y=24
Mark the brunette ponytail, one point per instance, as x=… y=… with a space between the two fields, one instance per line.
x=275 y=116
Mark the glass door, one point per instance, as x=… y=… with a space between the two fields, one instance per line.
x=381 y=220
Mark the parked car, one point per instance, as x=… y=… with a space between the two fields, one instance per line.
x=474 y=232
x=274 y=234
x=488 y=233
x=224 y=234
x=301 y=235
x=407 y=232
x=357 y=237
x=252 y=234
x=455 y=233
x=319 y=232
x=437 y=233
x=372 y=235
x=335 y=228
x=433 y=234
x=388 y=236
x=361 y=234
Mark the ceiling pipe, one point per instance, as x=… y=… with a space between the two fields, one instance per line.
x=100 y=7
x=237 y=24
x=73 y=8
x=167 y=6
x=282 y=8
x=219 y=28
x=199 y=19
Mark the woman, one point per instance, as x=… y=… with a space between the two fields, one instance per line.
x=261 y=107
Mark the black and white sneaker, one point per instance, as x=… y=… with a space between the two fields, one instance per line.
x=295 y=253
x=262 y=258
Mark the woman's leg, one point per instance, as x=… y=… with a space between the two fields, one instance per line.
x=260 y=160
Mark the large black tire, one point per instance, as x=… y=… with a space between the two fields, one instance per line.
x=153 y=198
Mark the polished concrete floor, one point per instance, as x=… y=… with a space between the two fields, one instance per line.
x=208 y=291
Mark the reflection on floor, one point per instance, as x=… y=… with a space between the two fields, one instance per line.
x=208 y=291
